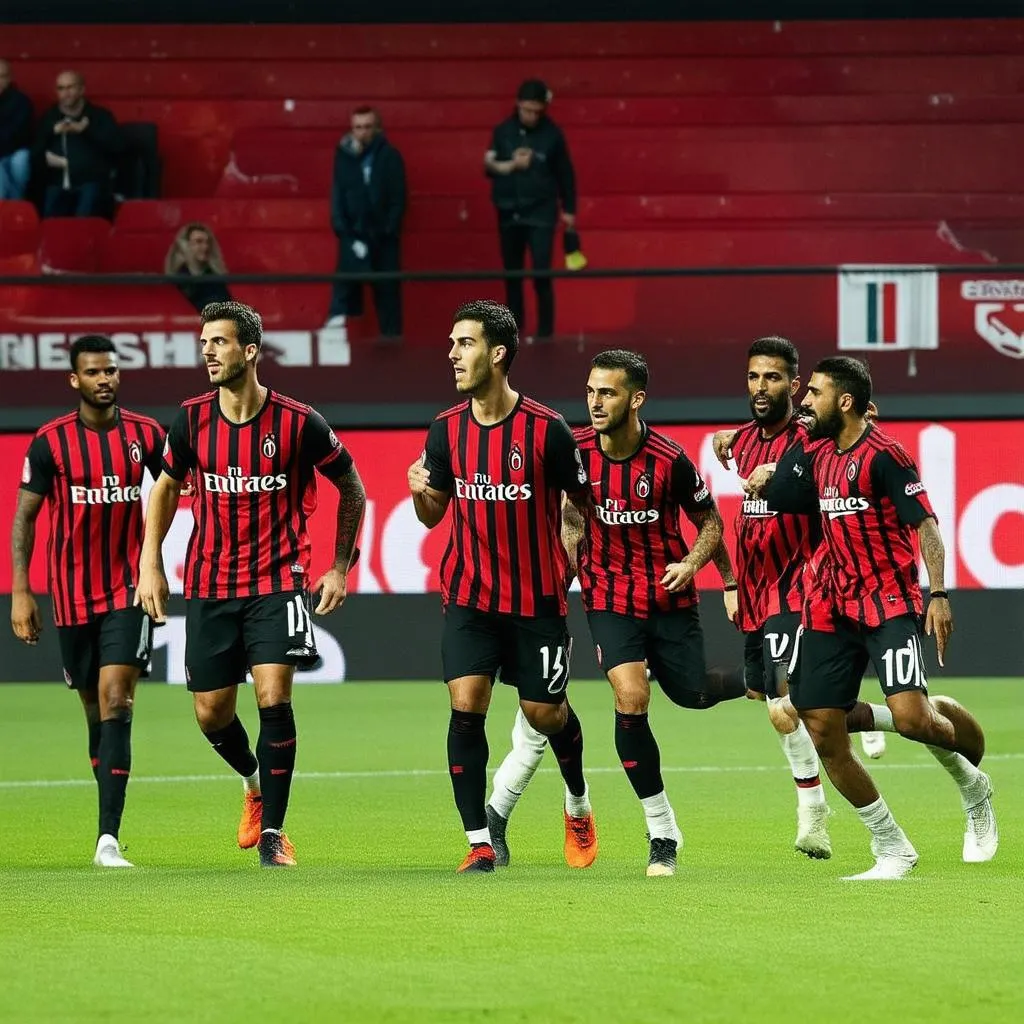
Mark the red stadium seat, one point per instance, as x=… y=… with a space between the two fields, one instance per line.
x=72 y=244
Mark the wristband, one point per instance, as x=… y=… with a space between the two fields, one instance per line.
x=731 y=587
x=938 y=593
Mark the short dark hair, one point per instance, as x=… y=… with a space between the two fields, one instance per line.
x=851 y=377
x=498 y=323
x=534 y=90
x=776 y=347
x=247 y=321
x=631 y=363
x=367 y=109
x=90 y=343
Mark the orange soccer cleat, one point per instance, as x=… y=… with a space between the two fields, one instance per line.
x=276 y=851
x=479 y=859
x=580 y=841
x=251 y=821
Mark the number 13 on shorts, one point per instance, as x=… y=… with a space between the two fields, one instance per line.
x=554 y=660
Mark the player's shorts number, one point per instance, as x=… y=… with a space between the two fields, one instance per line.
x=555 y=665
x=904 y=666
x=298 y=618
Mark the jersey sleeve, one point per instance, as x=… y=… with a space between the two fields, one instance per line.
x=687 y=486
x=896 y=478
x=179 y=457
x=153 y=459
x=322 y=448
x=563 y=459
x=437 y=457
x=792 y=488
x=39 y=471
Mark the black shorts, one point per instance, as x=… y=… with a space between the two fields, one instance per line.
x=767 y=652
x=224 y=638
x=672 y=644
x=532 y=654
x=829 y=667
x=123 y=637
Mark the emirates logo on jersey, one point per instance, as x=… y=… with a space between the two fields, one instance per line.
x=135 y=452
x=269 y=446
x=642 y=487
x=515 y=458
x=851 y=470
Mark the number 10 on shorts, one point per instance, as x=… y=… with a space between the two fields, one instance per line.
x=904 y=666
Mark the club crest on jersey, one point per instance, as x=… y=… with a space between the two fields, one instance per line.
x=851 y=470
x=135 y=452
x=269 y=446
x=515 y=457
x=642 y=487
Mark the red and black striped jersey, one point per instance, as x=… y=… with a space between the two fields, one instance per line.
x=870 y=498
x=634 y=532
x=506 y=480
x=93 y=480
x=771 y=547
x=255 y=488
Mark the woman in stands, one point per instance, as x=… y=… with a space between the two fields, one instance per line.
x=196 y=254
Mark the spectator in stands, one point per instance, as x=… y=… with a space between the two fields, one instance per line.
x=195 y=254
x=77 y=144
x=367 y=206
x=15 y=136
x=531 y=174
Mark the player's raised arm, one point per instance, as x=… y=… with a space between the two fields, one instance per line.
x=721 y=445
x=431 y=478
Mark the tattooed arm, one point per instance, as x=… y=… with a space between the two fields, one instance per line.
x=333 y=585
x=575 y=510
x=709 y=537
x=939 y=618
x=25 y=618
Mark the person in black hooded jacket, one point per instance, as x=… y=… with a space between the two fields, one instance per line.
x=532 y=173
x=367 y=205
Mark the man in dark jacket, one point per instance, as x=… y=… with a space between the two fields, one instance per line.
x=77 y=144
x=531 y=174
x=15 y=136
x=367 y=205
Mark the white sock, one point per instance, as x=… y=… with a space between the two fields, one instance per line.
x=478 y=835
x=883 y=718
x=661 y=821
x=803 y=762
x=251 y=783
x=520 y=764
x=971 y=780
x=577 y=806
x=882 y=825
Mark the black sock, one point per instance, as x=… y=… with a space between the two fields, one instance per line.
x=94 y=746
x=567 y=746
x=115 y=763
x=467 y=765
x=275 y=750
x=232 y=743
x=638 y=751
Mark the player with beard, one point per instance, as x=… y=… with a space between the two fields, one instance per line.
x=872 y=503
x=503 y=462
x=253 y=455
x=636 y=576
x=90 y=465
x=772 y=555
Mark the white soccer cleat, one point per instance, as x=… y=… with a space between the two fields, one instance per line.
x=981 y=840
x=108 y=854
x=888 y=868
x=873 y=744
x=812 y=836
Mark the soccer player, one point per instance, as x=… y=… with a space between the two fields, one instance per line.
x=772 y=555
x=252 y=455
x=90 y=464
x=503 y=462
x=872 y=502
x=636 y=576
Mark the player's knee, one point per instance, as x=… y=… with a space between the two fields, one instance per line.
x=118 y=709
x=782 y=715
x=914 y=723
x=547 y=718
x=754 y=694
x=211 y=717
x=630 y=700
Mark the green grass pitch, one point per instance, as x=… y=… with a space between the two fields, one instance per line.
x=374 y=925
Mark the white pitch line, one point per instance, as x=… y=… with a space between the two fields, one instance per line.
x=410 y=773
